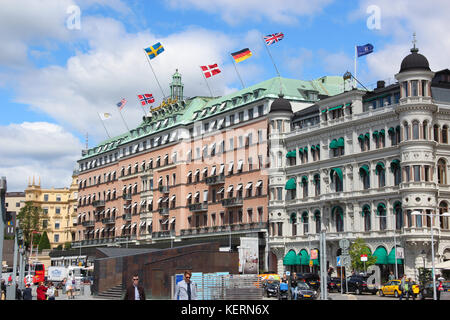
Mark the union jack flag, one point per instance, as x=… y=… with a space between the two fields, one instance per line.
x=122 y=104
x=272 y=38
x=146 y=99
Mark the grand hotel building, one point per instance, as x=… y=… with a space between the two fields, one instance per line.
x=195 y=170
x=357 y=164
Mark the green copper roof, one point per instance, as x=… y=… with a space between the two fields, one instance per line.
x=198 y=108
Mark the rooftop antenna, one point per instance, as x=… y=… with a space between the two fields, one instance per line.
x=87 y=140
x=414 y=49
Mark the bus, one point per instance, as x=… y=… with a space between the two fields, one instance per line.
x=38 y=272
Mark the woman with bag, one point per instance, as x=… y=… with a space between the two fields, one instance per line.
x=50 y=291
x=69 y=289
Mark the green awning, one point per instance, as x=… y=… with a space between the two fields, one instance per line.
x=291 y=184
x=336 y=108
x=324 y=110
x=300 y=151
x=304 y=216
x=338 y=209
x=367 y=135
x=364 y=169
x=304 y=258
x=391 y=258
x=291 y=154
x=375 y=134
x=304 y=180
x=382 y=132
x=339 y=173
x=313 y=148
x=361 y=137
x=293 y=218
x=395 y=164
x=391 y=131
x=316 y=178
x=397 y=128
x=348 y=104
x=305 y=150
x=290 y=259
x=340 y=143
x=318 y=147
x=333 y=144
x=365 y=208
x=381 y=208
x=379 y=167
x=381 y=255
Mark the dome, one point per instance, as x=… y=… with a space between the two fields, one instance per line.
x=281 y=104
x=415 y=61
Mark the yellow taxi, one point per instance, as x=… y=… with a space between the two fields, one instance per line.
x=393 y=288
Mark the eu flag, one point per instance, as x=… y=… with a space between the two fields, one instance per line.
x=363 y=50
x=155 y=50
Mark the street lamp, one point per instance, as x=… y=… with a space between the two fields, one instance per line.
x=446 y=214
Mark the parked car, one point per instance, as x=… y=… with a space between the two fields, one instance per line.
x=271 y=288
x=311 y=279
x=305 y=292
x=334 y=284
x=358 y=284
x=393 y=288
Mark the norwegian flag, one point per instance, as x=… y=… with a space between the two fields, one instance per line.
x=272 y=38
x=211 y=70
x=146 y=99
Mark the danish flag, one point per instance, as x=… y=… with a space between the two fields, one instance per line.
x=210 y=70
x=146 y=99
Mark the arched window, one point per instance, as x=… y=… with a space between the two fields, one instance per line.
x=316 y=184
x=425 y=130
x=338 y=218
x=442 y=171
x=443 y=221
x=337 y=177
x=445 y=134
x=305 y=186
x=406 y=131
x=365 y=176
x=381 y=173
x=381 y=212
x=280 y=160
x=305 y=220
x=415 y=130
x=367 y=217
x=398 y=215
x=436 y=132
x=293 y=221
x=318 y=221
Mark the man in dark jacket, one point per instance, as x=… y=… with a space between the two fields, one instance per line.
x=135 y=292
x=27 y=293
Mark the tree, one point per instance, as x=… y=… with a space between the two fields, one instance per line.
x=67 y=245
x=29 y=220
x=44 y=243
x=358 y=248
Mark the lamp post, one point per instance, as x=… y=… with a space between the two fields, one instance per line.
x=446 y=214
x=395 y=244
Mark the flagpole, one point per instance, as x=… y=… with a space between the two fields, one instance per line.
x=273 y=61
x=237 y=72
x=160 y=87
x=120 y=112
x=103 y=125
x=356 y=62
x=210 y=91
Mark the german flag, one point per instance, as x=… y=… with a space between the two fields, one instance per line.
x=242 y=55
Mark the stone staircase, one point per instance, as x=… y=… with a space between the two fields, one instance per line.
x=114 y=293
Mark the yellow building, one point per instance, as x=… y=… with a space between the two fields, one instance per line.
x=59 y=207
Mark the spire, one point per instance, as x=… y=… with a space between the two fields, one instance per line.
x=176 y=87
x=414 y=49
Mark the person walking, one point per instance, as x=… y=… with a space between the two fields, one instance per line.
x=50 y=291
x=134 y=291
x=27 y=293
x=69 y=289
x=294 y=291
x=41 y=291
x=411 y=289
x=186 y=289
x=18 y=292
x=440 y=288
x=402 y=287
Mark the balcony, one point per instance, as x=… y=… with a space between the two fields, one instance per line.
x=164 y=189
x=108 y=221
x=127 y=196
x=98 y=203
x=126 y=217
x=215 y=180
x=198 y=207
x=163 y=234
x=88 y=224
x=232 y=202
x=163 y=211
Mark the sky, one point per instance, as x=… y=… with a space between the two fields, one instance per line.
x=62 y=62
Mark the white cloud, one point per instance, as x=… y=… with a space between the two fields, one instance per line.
x=236 y=11
x=37 y=149
x=399 y=20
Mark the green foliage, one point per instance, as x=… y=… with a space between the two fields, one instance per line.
x=29 y=220
x=425 y=275
x=44 y=243
x=67 y=245
x=357 y=248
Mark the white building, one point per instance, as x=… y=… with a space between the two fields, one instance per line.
x=358 y=164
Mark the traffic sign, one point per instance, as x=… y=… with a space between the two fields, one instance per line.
x=364 y=257
x=338 y=261
x=344 y=244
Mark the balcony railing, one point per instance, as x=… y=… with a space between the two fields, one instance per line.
x=109 y=221
x=163 y=234
x=214 y=180
x=98 y=203
x=88 y=224
x=163 y=211
x=126 y=217
x=232 y=202
x=163 y=189
x=127 y=196
x=198 y=207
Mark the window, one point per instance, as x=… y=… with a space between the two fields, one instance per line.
x=44 y=224
x=231 y=119
x=58 y=210
x=367 y=218
x=58 y=198
x=407 y=173
x=45 y=197
x=57 y=225
x=318 y=221
x=241 y=116
x=406 y=132
x=416 y=173
x=250 y=114
x=414 y=88
x=382 y=214
x=405 y=89
x=305 y=221
x=415 y=130
x=445 y=134
x=260 y=111
x=424 y=88
x=56 y=238
x=442 y=171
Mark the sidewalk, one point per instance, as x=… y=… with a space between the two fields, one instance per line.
x=83 y=294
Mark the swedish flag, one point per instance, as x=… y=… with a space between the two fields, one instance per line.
x=155 y=50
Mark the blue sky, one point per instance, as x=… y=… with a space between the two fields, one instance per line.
x=53 y=79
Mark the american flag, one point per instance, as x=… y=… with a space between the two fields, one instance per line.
x=272 y=38
x=211 y=70
x=122 y=104
x=146 y=99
